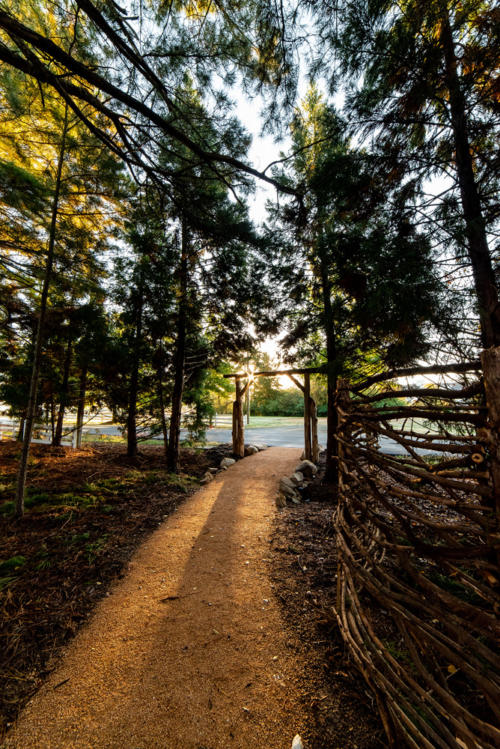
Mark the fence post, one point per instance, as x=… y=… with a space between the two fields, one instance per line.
x=490 y=359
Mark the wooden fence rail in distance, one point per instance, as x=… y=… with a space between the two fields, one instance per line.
x=418 y=599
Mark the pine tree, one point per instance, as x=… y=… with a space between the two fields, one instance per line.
x=357 y=274
x=422 y=82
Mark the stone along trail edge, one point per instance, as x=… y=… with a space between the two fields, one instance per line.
x=188 y=651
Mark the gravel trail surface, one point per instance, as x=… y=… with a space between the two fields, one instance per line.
x=188 y=651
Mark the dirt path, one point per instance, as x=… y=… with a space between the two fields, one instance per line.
x=188 y=651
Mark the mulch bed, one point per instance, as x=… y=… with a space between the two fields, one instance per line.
x=343 y=712
x=87 y=511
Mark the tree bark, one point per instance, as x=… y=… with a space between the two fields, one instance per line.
x=314 y=430
x=64 y=395
x=49 y=263
x=81 y=404
x=180 y=355
x=20 y=433
x=491 y=432
x=52 y=412
x=484 y=277
x=331 y=471
x=134 y=375
x=164 y=427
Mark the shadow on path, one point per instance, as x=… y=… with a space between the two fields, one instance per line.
x=188 y=651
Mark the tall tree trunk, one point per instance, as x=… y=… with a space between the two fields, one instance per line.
x=81 y=404
x=52 y=412
x=64 y=395
x=331 y=471
x=134 y=375
x=479 y=254
x=49 y=263
x=164 y=427
x=180 y=355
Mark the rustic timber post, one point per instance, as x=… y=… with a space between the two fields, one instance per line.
x=238 y=422
x=311 y=445
x=235 y=418
x=241 y=423
x=307 y=418
x=490 y=359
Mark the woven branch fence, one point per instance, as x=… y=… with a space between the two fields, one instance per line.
x=418 y=599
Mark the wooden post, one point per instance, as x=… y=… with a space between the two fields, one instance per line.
x=241 y=423
x=490 y=359
x=238 y=421
x=235 y=421
x=314 y=430
x=307 y=418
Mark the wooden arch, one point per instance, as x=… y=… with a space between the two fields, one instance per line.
x=243 y=381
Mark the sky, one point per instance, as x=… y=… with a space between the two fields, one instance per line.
x=263 y=151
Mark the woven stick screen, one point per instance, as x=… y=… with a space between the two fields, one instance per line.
x=417 y=588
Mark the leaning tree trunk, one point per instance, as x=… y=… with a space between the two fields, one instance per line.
x=37 y=354
x=64 y=395
x=482 y=269
x=179 y=357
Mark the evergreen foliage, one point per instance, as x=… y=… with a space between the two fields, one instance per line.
x=131 y=274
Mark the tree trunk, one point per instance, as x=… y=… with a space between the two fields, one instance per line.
x=31 y=408
x=314 y=430
x=479 y=254
x=81 y=404
x=179 y=357
x=20 y=433
x=490 y=359
x=52 y=418
x=164 y=428
x=64 y=396
x=331 y=471
x=134 y=375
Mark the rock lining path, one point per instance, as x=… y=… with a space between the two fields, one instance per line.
x=188 y=651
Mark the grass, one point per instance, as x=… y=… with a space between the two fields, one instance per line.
x=263 y=422
x=9 y=569
x=96 y=494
